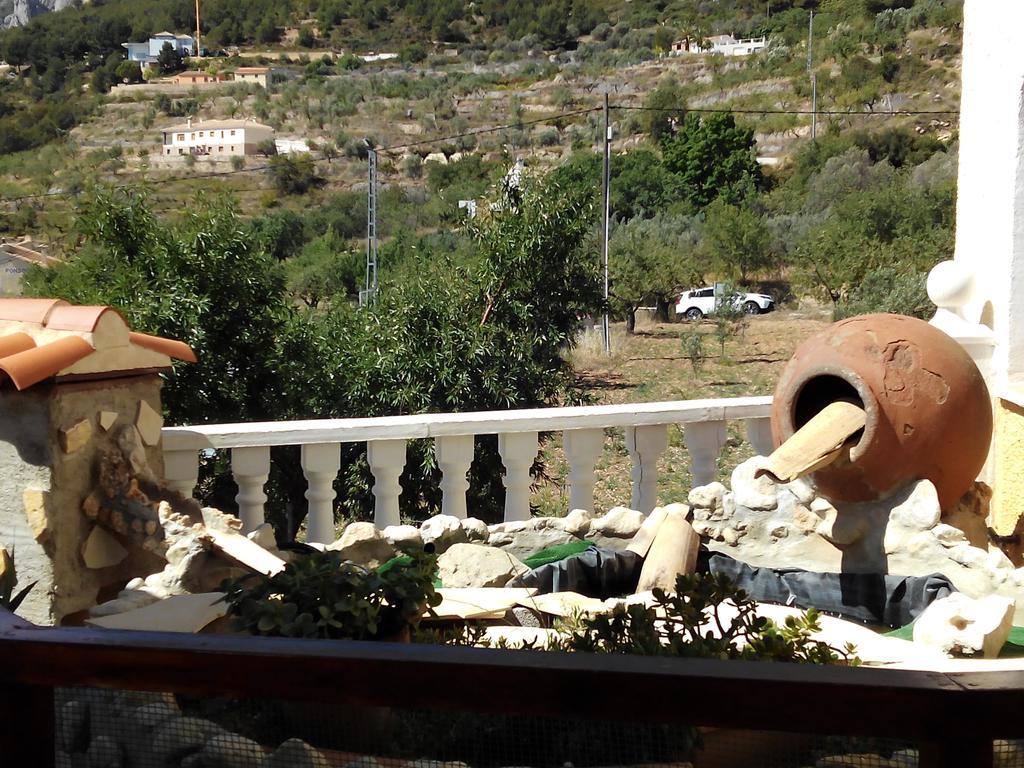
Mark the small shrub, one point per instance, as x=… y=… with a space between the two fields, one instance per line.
x=693 y=348
x=237 y=163
x=323 y=596
x=887 y=289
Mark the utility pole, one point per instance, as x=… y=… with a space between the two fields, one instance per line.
x=198 y=48
x=606 y=184
x=814 y=77
x=369 y=295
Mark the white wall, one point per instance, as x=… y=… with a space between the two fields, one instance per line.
x=990 y=206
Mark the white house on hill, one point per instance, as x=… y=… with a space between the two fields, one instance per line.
x=215 y=138
x=148 y=52
x=724 y=45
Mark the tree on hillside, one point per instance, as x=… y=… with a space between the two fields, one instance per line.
x=713 y=158
x=323 y=271
x=737 y=239
x=649 y=260
x=294 y=174
x=664 y=109
x=168 y=59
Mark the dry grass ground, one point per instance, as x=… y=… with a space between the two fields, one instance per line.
x=650 y=366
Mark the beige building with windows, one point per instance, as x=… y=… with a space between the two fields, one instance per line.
x=258 y=75
x=215 y=138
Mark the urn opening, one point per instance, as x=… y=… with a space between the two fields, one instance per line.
x=818 y=392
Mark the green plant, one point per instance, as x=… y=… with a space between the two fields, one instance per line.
x=693 y=348
x=679 y=625
x=8 y=581
x=323 y=596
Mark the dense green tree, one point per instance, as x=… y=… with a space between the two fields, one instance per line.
x=665 y=109
x=325 y=270
x=169 y=60
x=713 y=158
x=737 y=240
x=294 y=174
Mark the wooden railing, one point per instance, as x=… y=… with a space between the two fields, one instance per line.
x=952 y=717
x=646 y=432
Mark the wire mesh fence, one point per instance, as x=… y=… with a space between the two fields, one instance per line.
x=97 y=728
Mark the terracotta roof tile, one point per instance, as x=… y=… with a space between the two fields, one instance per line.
x=176 y=349
x=76 y=318
x=40 y=363
x=28 y=310
x=13 y=343
x=45 y=338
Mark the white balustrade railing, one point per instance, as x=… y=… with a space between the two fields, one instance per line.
x=583 y=429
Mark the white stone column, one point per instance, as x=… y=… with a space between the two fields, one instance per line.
x=320 y=464
x=759 y=435
x=518 y=451
x=582 y=449
x=454 y=454
x=181 y=471
x=704 y=441
x=645 y=445
x=990 y=184
x=387 y=460
x=251 y=468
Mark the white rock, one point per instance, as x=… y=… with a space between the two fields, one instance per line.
x=403 y=537
x=998 y=561
x=577 y=522
x=618 y=522
x=475 y=565
x=972 y=557
x=801 y=490
x=229 y=750
x=103 y=752
x=442 y=531
x=529 y=542
x=363 y=543
x=948 y=536
x=821 y=505
x=760 y=493
x=960 y=624
x=264 y=536
x=476 y=529
x=921 y=509
x=707 y=496
x=295 y=753
x=177 y=738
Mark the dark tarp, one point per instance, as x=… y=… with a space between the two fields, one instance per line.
x=871 y=598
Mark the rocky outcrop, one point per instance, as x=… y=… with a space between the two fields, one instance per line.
x=17 y=13
x=475 y=565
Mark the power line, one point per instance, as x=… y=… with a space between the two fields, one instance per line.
x=836 y=112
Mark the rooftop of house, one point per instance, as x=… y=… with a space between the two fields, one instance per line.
x=43 y=339
x=252 y=71
x=216 y=125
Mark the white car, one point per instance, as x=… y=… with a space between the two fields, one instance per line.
x=697 y=303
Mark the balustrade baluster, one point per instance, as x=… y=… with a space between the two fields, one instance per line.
x=387 y=460
x=454 y=454
x=320 y=464
x=181 y=471
x=645 y=444
x=582 y=449
x=251 y=468
x=518 y=451
x=704 y=440
x=759 y=434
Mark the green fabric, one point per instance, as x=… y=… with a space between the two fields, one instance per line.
x=554 y=554
x=399 y=560
x=1013 y=649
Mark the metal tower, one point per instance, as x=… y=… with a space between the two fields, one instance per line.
x=369 y=294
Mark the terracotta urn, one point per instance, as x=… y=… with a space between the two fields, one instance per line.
x=929 y=415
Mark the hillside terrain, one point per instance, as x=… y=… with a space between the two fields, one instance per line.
x=822 y=173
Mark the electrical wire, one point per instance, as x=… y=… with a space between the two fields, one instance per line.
x=768 y=111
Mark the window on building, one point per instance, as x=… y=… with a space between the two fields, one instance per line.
x=220 y=148
x=222 y=134
x=200 y=134
x=181 y=137
x=232 y=133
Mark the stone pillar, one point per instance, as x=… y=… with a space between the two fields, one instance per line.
x=980 y=294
